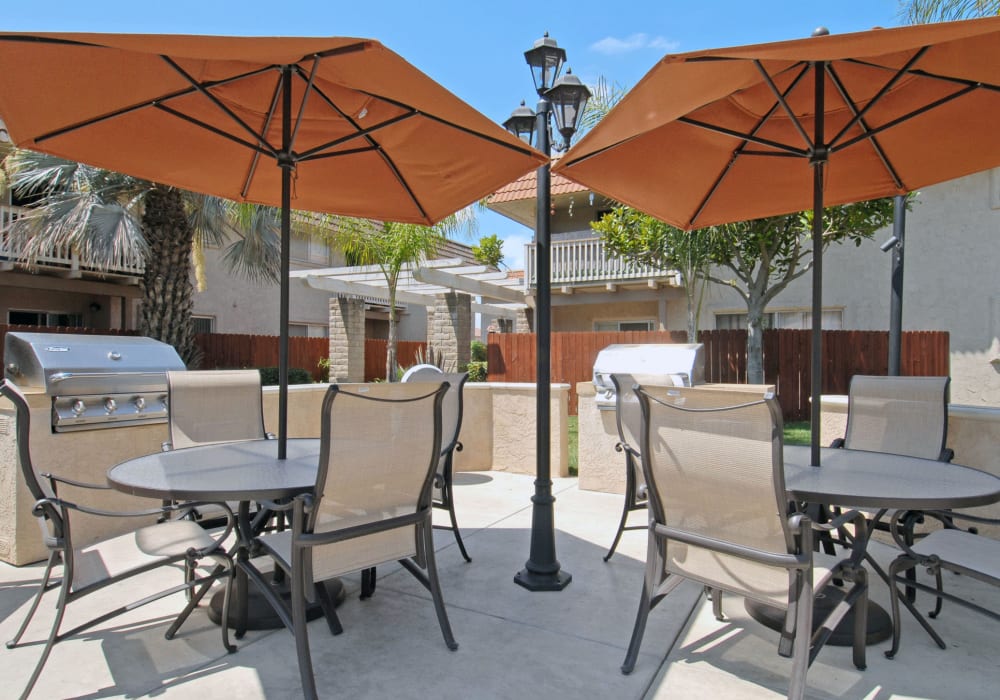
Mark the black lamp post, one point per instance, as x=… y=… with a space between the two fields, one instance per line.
x=565 y=97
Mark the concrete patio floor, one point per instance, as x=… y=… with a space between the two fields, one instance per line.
x=512 y=642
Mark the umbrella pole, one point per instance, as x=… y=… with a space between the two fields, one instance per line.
x=286 y=165
x=818 y=162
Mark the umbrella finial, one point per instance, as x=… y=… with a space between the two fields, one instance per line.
x=821 y=31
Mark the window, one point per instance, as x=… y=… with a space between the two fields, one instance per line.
x=613 y=326
x=833 y=320
x=49 y=319
x=203 y=324
x=305 y=330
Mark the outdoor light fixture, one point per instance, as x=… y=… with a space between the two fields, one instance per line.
x=521 y=123
x=546 y=60
x=565 y=97
x=569 y=98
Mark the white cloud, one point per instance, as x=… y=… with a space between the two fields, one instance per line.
x=636 y=42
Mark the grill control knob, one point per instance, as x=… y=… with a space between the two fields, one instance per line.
x=140 y=404
x=79 y=407
x=110 y=405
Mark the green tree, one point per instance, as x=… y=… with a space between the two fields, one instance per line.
x=757 y=259
x=112 y=220
x=647 y=241
x=489 y=251
x=924 y=11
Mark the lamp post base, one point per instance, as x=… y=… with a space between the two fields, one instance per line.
x=533 y=581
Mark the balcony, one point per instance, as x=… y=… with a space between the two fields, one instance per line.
x=60 y=261
x=585 y=262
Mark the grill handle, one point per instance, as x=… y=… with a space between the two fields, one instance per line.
x=57 y=377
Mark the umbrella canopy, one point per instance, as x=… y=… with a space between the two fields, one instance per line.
x=353 y=128
x=733 y=134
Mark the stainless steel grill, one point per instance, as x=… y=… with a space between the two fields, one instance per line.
x=681 y=365
x=95 y=381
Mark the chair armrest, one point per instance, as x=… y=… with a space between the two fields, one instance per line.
x=838 y=443
x=859 y=542
x=458 y=446
x=55 y=480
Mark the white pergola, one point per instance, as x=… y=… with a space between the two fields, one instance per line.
x=501 y=296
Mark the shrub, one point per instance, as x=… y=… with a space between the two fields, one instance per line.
x=478 y=351
x=477 y=371
x=296 y=375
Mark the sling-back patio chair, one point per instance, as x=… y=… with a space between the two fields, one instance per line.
x=380 y=446
x=628 y=418
x=898 y=415
x=206 y=407
x=90 y=567
x=712 y=459
x=949 y=548
x=443 y=496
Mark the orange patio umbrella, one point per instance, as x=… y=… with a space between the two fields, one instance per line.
x=733 y=134
x=337 y=125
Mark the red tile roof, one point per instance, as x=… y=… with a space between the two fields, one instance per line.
x=526 y=187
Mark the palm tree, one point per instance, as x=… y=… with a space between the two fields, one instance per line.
x=391 y=247
x=113 y=220
x=924 y=11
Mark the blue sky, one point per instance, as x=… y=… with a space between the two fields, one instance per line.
x=476 y=49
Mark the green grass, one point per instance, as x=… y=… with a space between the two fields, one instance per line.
x=797 y=433
x=574 y=441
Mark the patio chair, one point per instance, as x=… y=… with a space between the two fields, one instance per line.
x=90 y=567
x=443 y=495
x=712 y=459
x=207 y=407
x=897 y=415
x=947 y=549
x=628 y=417
x=380 y=446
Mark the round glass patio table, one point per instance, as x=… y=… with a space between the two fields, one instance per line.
x=231 y=471
x=856 y=478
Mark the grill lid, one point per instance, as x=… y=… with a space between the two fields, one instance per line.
x=71 y=364
x=680 y=364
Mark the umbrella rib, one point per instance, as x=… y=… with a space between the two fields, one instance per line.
x=335 y=154
x=313 y=153
x=791 y=150
x=305 y=99
x=784 y=104
x=255 y=161
x=214 y=129
x=881 y=93
x=214 y=100
x=143 y=105
x=741 y=149
x=910 y=115
x=863 y=123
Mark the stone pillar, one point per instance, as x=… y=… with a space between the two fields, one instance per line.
x=525 y=321
x=449 y=330
x=347 y=339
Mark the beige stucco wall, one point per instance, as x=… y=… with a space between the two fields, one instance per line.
x=497 y=433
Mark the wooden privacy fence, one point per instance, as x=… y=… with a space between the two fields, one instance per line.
x=786 y=358
x=375 y=353
x=233 y=351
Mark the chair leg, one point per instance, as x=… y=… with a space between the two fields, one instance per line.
x=637 y=630
x=940 y=587
x=621 y=528
x=435 y=588
x=301 y=634
x=367 y=583
x=860 y=577
x=802 y=641
x=43 y=586
x=454 y=527
x=716 y=595
x=902 y=563
x=50 y=642
x=329 y=610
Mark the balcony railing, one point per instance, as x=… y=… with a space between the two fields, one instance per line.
x=585 y=261
x=59 y=259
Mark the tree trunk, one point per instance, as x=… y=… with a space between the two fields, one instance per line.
x=755 y=343
x=166 y=283
x=390 y=354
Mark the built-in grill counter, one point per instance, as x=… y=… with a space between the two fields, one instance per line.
x=95 y=401
x=94 y=381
